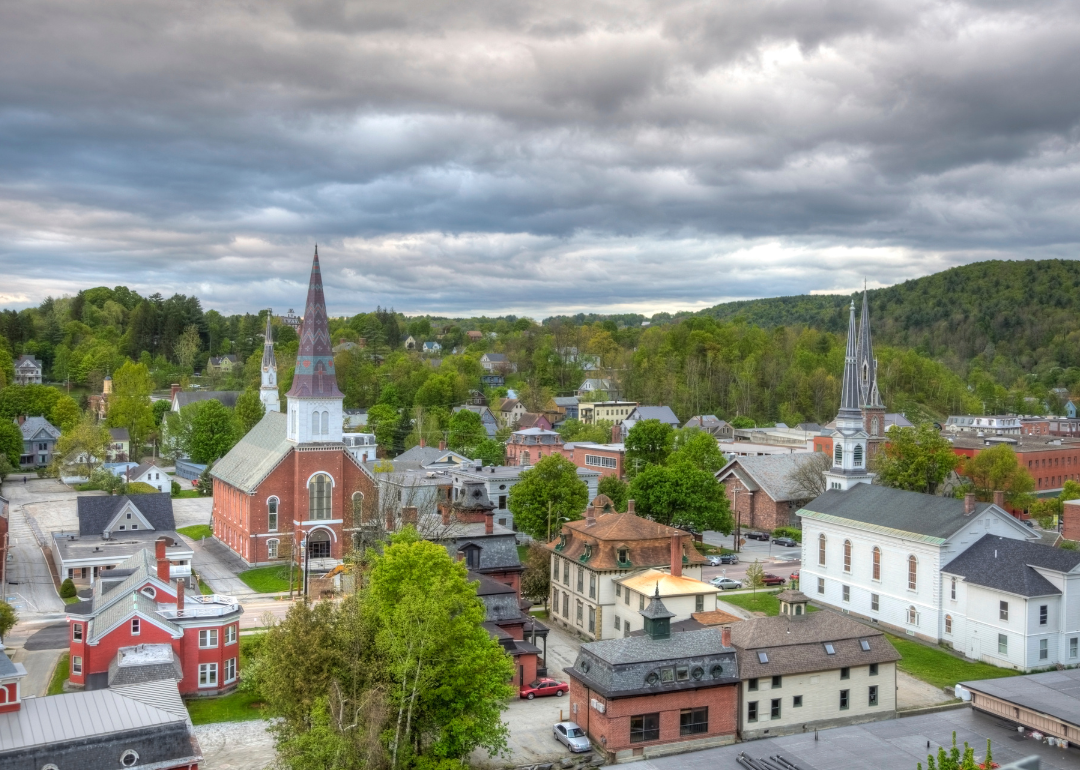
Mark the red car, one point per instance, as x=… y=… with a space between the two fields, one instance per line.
x=542 y=687
x=770 y=579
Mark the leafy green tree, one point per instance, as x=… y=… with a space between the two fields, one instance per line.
x=490 y=451
x=206 y=483
x=384 y=421
x=916 y=459
x=160 y=408
x=249 y=410
x=698 y=448
x=11 y=442
x=65 y=414
x=7 y=366
x=649 y=442
x=553 y=482
x=536 y=579
x=742 y=422
x=755 y=575
x=997 y=468
x=8 y=619
x=129 y=405
x=616 y=489
x=5 y=466
x=681 y=496
x=212 y=432
x=67 y=589
x=187 y=347
x=466 y=431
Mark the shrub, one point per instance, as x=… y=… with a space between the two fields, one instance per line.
x=1069 y=545
x=67 y=589
x=793 y=532
x=175 y=488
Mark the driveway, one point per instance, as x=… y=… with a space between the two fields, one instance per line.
x=218 y=566
x=236 y=745
x=30 y=587
x=192 y=510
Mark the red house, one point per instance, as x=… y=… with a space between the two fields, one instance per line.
x=137 y=612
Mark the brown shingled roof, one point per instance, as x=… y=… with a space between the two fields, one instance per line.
x=715 y=618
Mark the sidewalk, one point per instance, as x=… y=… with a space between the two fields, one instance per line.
x=218 y=567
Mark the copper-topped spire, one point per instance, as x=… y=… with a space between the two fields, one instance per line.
x=315 y=376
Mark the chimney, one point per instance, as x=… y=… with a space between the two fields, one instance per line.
x=725 y=636
x=999 y=498
x=442 y=445
x=389 y=521
x=22 y=419
x=162 y=560
x=676 y=555
x=445 y=511
x=489 y=522
x=629 y=506
x=616 y=434
x=175 y=389
x=590 y=516
x=969 y=503
x=409 y=515
x=180 y=596
x=423 y=443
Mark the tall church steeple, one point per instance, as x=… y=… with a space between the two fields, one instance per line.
x=268 y=393
x=869 y=396
x=315 y=402
x=850 y=440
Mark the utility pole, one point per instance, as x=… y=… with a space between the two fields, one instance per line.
x=549 y=521
x=738 y=518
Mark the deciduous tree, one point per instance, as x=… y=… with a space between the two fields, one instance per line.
x=536 y=579
x=616 y=489
x=916 y=459
x=84 y=444
x=997 y=468
x=647 y=443
x=129 y=404
x=466 y=432
x=681 y=496
x=698 y=448
x=249 y=410
x=11 y=442
x=65 y=414
x=212 y=432
x=552 y=481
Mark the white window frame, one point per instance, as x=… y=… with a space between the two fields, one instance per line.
x=230 y=634
x=208 y=638
x=599 y=461
x=76 y=632
x=208 y=675
x=136 y=626
x=271 y=549
x=276 y=504
x=230 y=670
x=76 y=665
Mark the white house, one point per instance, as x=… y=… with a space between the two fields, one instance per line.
x=877 y=552
x=1014 y=604
x=27 y=371
x=148 y=473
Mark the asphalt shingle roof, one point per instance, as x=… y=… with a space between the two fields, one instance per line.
x=661 y=413
x=256 y=454
x=914 y=512
x=119 y=434
x=1006 y=565
x=96 y=512
x=124 y=608
x=772 y=473
x=33 y=425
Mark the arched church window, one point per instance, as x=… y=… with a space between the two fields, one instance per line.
x=358 y=507
x=315 y=423
x=874 y=427
x=857 y=455
x=326 y=423
x=838 y=455
x=319 y=489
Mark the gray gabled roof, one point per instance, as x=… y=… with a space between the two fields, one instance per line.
x=33 y=425
x=122 y=609
x=771 y=473
x=134 y=473
x=256 y=454
x=661 y=413
x=933 y=517
x=422 y=456
x=1007 y=565
x=119 y=434
x=96 y=512
x=566 y=400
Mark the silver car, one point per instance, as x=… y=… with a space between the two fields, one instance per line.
x=725 y=583
x=572 y=736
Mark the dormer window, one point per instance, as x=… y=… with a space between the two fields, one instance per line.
x=587 y=554
x=562 y=542
x=624 y=557
x=829 y=649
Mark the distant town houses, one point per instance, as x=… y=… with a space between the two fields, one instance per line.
x=606 y=459
x=27 y=370
x=487 y=417
x=221 y=364
x=638 y=413
x=510 y=411
x=568 y=405
x=497 y=363
x=1050 y=460
x=994 y=424
x=181 y=398
x=119 y=448
x=530 y=445
x=39 y=441
x=592 y=412
x=431 y=348
x=291 y=319
x=149 y=473
x=713 y=425
x=598 y=388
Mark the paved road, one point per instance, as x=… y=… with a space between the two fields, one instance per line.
x=774 y=559
x=52 y=637
x=30 y=585
x=218 y=566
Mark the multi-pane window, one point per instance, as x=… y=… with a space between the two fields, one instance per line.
x=694 y=721
x=599 y=461
x=230 y=634
x=1003 y=610
x=774 y=708
x=699 y=603
x=271 y=514
x=618 y=623
x=912 y=616
x=76 y=665
x=580 y=610
x=319 y=490
x=847 y=593
x=847 y=556
x=208 y=638
x=592 y=620
x=618 y=590
x=566 y=605
x=626 y=597
x=1074 y=647
x=912 y=573
x=1044 y=649
x=358 y=506
x=838 y=455
x=136 y=626
x=1043 y=614
x=952 y=590
x=844 y=699
x=230 y=669
x=751 y=711
x=208 y=674
x=641 y=601
x=1003 y=644
x=566 y=574
x=76 y=632
x=821 y=549
x=580 y=580
x=948 y=624
x=877 y=563
x=271 y=549
x=592 y=585
x=821 y=585
x=644 y=728
x=875 y=602
x=873 y=695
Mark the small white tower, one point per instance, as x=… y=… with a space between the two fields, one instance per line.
x=850 y=441
x=268 y=393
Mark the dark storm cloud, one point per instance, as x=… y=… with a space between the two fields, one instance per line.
x=530 y=156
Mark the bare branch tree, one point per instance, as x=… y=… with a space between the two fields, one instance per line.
x=808 y=475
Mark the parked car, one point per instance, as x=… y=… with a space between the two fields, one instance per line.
x=713 y=561
x=725 y=583
x=542 y=687
x=770 y=579
x=786 y=542
x=572 y=736
x=757 y=536
x=729 y=558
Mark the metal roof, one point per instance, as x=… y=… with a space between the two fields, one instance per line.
x=1055 y=693
x=256 y=454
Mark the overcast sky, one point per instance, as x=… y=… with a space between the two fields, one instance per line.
x=529 y=156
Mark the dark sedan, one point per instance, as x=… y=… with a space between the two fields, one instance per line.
x=786 y=542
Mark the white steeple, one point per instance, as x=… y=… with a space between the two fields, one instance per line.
x=268 y=393
x=849 y=441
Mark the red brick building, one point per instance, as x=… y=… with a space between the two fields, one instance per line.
x=608 y=459
x=136 y=611
x=762 y=492
x=1051 y=461
x=656 y=694
x=291 y=479
x=530 y=445
x=1070 y=520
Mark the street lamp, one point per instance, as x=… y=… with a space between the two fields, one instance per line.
x=304 y=553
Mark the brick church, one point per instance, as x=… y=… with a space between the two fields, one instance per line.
x=291 y=479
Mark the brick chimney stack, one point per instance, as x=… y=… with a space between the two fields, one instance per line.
x=969 y=503
x=410 y=515
x=999 y=499
x=676 y=555
x=442 y=445
x=389 y=521
x=175 y=389
x=423 y=443
x=725 y=636
x=180 y=596
x=629 y=506
x=590 y=516
x=162 y=560
x=444 y=509
x=489 y=522
x=616 y=434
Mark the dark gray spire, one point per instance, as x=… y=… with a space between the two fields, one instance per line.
x=268 y=360
x=849 y=397
x=867 y=364
x=657 y=617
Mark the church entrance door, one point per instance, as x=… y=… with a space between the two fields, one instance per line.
x=319 y=544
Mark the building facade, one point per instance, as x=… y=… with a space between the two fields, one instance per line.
x=27 y=371
x=763 y=492
x=605 y=459
x=39 y=441
x=529 y=446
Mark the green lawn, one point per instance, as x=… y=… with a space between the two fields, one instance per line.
x=204 y=589
x=71 y=599
x=60 y=675
x=196 y=532
x=762 y=601
x=269 y=580
x=234 y=707
x=940 y=668
x=523 y=553
x=184 y=494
